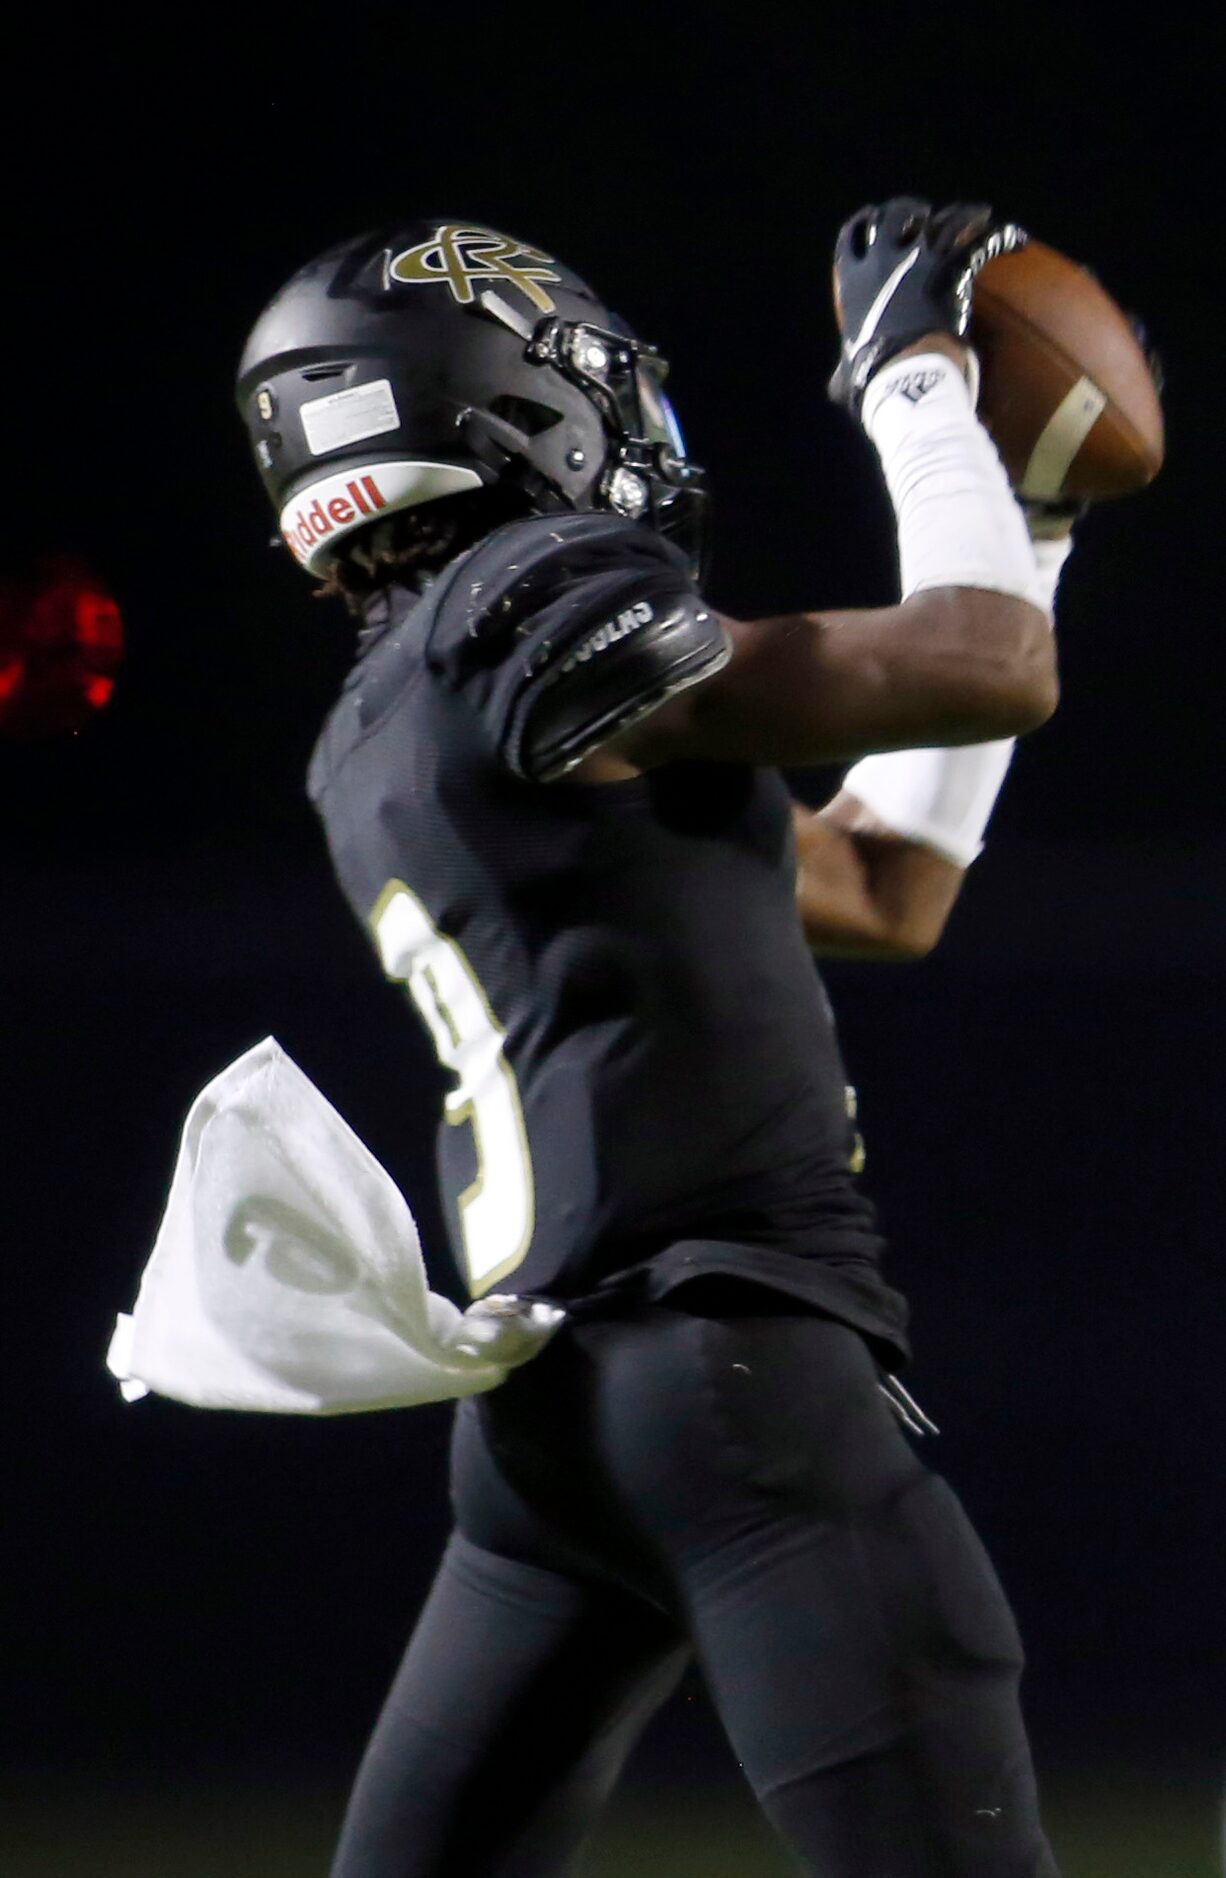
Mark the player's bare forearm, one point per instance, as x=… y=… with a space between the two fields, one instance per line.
x=951 y=665
x=864 y=891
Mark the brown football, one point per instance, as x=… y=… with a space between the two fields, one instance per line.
x=1066 y=391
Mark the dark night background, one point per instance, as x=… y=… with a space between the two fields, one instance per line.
x=211 y=1604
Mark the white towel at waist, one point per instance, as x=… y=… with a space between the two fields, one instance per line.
x=287 y=1273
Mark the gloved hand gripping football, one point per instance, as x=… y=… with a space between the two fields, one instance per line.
x=903 y=269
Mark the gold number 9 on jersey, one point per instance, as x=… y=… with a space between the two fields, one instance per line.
x=497 y=1210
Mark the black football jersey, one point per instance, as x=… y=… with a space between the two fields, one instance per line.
x=647 y=1083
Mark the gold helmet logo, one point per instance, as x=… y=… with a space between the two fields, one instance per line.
x=458 y=256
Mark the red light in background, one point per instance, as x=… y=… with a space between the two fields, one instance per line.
x=97 y=619
x=61 y=646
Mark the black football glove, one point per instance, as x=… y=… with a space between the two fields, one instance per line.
x=903 y=269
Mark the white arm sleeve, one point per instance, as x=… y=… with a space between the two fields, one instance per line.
x=944 y=798
x=940 y=798
x=958 y=522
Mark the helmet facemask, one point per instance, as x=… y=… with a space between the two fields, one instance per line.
x=645 y=475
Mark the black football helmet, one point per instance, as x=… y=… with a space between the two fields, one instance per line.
x=431 y=357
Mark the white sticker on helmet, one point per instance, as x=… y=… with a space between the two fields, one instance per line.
x=322 y=514
x=349 y=416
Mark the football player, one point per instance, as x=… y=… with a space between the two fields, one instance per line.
x=551 y=793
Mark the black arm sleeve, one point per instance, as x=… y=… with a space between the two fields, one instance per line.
x=562 y=630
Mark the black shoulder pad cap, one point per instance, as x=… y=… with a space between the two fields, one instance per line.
x=533 y=572
x=615 y=673
x=560 y=630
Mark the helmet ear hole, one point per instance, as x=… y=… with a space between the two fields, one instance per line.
x=525 y=413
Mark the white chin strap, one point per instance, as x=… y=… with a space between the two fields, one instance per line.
x=318 y=517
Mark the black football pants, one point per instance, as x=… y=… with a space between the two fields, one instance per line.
x=685 y=1482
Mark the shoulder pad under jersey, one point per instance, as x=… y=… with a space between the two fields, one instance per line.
x=560 y=630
